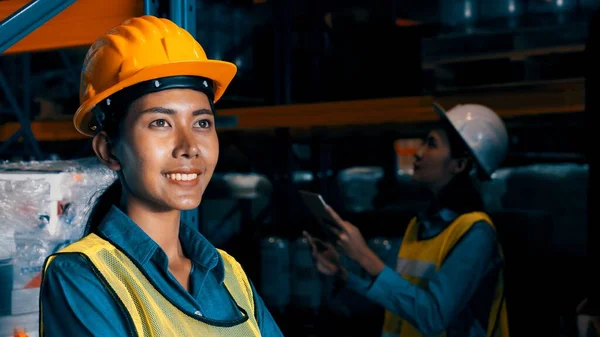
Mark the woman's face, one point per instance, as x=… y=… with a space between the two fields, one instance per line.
x=434 y=166
x=168 y=149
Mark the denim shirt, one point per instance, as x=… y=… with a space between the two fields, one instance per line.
x=459 y=298
x=75 y=303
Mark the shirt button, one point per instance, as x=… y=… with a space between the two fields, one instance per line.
x=198 y=313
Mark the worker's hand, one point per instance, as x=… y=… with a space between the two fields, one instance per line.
x=353 y=244
x=350 y=240
x=326 y=257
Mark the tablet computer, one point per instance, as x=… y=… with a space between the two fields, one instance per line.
x=317 y=207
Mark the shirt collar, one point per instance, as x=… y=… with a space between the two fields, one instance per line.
x=201 y=251
x=121 y=231
x=433 y=224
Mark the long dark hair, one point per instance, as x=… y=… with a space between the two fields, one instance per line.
x=462 y=193
x=111 y=195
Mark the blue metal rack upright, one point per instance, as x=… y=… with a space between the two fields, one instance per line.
x=12 y=29
x=33 y=15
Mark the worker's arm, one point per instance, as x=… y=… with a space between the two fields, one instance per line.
x=266 y=323
x=74 y=302
x=431 y=310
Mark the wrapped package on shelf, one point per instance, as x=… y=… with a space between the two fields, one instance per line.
x=275 y=269
x=306 y=283
x=231 y=199
x=557 y=189
x=43 y=207
x=366 y=189
x=358 y=187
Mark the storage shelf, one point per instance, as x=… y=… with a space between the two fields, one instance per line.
x=46 y=131
x=508 y=102
x=78 y=25
x=515 y=101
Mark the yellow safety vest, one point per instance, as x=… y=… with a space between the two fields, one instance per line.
x=419 y=258
x=150 y=312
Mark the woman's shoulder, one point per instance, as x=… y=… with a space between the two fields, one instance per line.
x=473 y=224
x=230 y=264
x=479 y=224
x=475 y=217
x=227 y=258
x=72 y=257
x=69 y=271
x=68 y=262
x=89 y=241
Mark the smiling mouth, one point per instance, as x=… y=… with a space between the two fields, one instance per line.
x=181 y=176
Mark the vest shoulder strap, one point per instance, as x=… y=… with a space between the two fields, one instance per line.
x=232 y=267
x=459 y=227
x=87 y=246
x=411 y=230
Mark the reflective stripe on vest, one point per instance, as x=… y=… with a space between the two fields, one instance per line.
x=418 y=262
x=416 y=268
x=149 y=311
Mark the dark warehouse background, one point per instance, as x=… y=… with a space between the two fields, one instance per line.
x=324 y=91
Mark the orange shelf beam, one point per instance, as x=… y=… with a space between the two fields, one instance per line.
x=78 y=25
x=376 y=111
x=508 y=103
x=46 y=131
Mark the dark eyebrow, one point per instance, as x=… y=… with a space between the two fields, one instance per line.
x=202 y=112
x=167 y=111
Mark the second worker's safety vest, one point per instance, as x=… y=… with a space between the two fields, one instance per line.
x=419 y=259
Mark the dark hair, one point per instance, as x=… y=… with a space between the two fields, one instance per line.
x=112 y=194
x=462 y=194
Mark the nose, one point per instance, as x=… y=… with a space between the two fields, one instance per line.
x=419 y=152
x=187 y=146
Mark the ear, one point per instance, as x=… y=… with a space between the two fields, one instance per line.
x=104 y=151
x=459 y=165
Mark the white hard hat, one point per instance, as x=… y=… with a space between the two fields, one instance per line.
x=483 y=132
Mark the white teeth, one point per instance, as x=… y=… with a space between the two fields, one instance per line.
x=181 y=176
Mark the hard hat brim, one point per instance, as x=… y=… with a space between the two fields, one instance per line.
x=484 y=175
x=221 y=72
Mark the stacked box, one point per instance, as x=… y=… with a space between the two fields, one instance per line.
x=43 y=207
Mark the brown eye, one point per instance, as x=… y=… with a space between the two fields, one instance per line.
x=160 y=123
x=204 y=124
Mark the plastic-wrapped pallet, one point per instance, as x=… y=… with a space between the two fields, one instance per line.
x=43 y=207
x=558 y=189
x=275 y=269
x=229 y=200
x=306 y=283
x=358 y=187
x=365 y=189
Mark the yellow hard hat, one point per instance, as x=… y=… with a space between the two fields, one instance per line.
x=143 y=49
